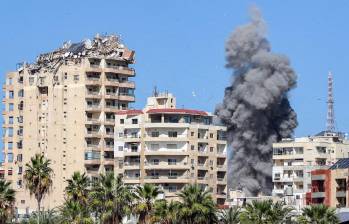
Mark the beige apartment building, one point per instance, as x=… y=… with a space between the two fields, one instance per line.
x=63 y=106
x=171 y=147
x=294 y=159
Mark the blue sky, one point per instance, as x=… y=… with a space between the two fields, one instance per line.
x=180 y=45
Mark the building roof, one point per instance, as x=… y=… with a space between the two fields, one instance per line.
x=340 y=164
x=177 y=111
x=129 y=112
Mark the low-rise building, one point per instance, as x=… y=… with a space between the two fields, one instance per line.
x=330 y=186
x=294 y=159
x=171 y=147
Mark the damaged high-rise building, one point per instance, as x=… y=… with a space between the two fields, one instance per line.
x=63 y=106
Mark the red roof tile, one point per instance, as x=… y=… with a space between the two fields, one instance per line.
x=129 y=112
x=177 y=111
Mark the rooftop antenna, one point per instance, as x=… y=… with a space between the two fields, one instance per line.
x=155 y=92
x=330 y=127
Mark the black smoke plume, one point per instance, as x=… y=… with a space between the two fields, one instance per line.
x=255 y=108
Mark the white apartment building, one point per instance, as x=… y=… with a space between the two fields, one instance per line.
x=294 y=159
x=171 y=147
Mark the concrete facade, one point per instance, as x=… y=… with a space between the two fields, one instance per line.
x=330 y=186
x=63 y=107
x=171 y=147
x=294 y=159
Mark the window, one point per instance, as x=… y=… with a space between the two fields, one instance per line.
x=154 y=147
x=171 y=161
x=154 y=134
x=120 y=148
x=192 y=161
x=20 y=170
x=65 y=75
x=192 y=134
x=122 y=121
x=155 y=161
x=10 y=145
x=211 y=135
x=31 y=80
x=10 y=107
x=76 y=77
x=10 y=81
x=10 y=120
x=10 y=94
x=134 y=121
x=211 y=163
x=19 y=183
x=211 y=149
x=10 y=157
x=172 y=134
x=171 y=146
x=192 y=147
x=20 y=93
x=10 y=132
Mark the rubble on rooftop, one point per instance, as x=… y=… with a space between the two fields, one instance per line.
x=108 y=46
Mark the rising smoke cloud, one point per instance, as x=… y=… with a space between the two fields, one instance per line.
x=255 y=108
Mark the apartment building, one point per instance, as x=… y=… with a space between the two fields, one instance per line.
x=63 y=106
x=294 y=159
x=171 y=147
x=330 y=186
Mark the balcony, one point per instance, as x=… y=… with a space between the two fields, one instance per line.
x=93 y=94
x=120 y=70
x=318 y=194
x=131 y=165
x=93 y=107
x=93 y=81
x=94 y=147
x=92 y=161
x=166 y=179
x=92 y=120
x=341 y=193
x=110 y=121
x=222 y=166
x=126 y=97
x=109 y=81
x=112 y=95
x=167 y=166
x=111 y=108
x=93 y=134
x=127 y=84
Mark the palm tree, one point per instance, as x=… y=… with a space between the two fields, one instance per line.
x=38 y=177
x=44 y=217
x=7 y=199
x=196 y=205
x=146 y=196
x=72 y=212
x=265 y=212
x=318 y=214
x=77 y=188
x=112 y=197
x=166 y=212
x=230 y=216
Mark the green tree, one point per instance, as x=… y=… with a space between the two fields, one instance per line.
x=230 y=216
x=72 y=212
x=265 y=212
x=38 y=177
x=7 y=199
x=196 y=206
x=77 y=188
x=112 y=198
x=44 y=217
x=318 y=214
x=166 y=212
x=146 y=196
